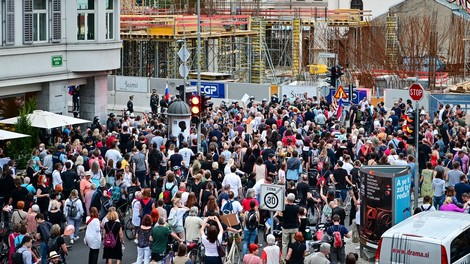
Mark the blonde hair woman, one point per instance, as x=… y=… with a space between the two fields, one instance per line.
x=113 y=225
x=74 y=212
x=175 y=218
x=60 y=245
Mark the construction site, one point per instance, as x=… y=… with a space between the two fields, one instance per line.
x=278 y=42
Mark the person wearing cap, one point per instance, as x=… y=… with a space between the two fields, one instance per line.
x=154 y=101
x=59 y=155
x=130 y=104
x=289 y=228
x=319 y=257
x=192 y=225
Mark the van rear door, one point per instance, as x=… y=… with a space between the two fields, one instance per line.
x=409 y=249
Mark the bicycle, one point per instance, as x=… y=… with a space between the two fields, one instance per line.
x=233 y=257
x=196 y=251
x=129 y=229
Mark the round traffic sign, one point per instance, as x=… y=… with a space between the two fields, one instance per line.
x=270 y=200
x=416 y=91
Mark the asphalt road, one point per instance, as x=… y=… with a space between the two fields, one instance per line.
x=78 y=254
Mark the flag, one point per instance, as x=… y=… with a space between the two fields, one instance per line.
x=340 y=108
x=167 y=92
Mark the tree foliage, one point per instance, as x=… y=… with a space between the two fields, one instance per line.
x=20 y=149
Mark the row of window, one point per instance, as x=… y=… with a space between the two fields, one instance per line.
x=42 y=16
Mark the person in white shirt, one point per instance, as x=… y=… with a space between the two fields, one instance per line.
x=347 y=164
x=73 y=212
x=56 y=179
x=234 y=181
x=113 y=154
x=187 y=153
x=93 y=235
x=401 y=160
x=393 y=157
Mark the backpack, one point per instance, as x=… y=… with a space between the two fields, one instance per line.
x=167 y=194
x=18 y=257
x=252 y=220
x=110 y=239
x=17 y=241
x=337 y=239
x=228 y=207
x=52 y=244
x=116 y=193
x=72 y=210
x=422 y=208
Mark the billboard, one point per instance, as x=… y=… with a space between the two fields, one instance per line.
x=213 y=89
x=385 y=199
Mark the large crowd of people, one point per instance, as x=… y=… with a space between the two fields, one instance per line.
x=129 y=168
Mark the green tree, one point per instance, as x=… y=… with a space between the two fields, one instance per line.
x=20 y=149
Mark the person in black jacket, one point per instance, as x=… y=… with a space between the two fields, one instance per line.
x=69 y=178
x=130 y=104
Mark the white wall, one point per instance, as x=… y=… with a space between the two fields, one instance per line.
x=378 y=7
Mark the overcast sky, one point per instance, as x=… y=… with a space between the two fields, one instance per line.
x=378 y=7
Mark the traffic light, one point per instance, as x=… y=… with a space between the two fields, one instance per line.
x=205 y=101
x=411 y=126
x=195 y=105
x=332 y=75
x=339 y=71
x=180 y=89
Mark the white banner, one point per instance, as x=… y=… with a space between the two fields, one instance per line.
x=131 y=84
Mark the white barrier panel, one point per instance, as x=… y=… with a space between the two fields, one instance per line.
x=293 y=91
x=392 y=95
x=131 y=84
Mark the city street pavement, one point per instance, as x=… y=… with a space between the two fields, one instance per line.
x=78 y=254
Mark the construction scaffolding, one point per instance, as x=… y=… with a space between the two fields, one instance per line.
x=255 y=41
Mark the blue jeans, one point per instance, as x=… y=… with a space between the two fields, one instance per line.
x=438 y=201
x=43 y=248
x=141 y=176
x=249 y=238
x=342 y=195
x=76 y=223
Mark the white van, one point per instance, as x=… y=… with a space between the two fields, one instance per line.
x=428 y=237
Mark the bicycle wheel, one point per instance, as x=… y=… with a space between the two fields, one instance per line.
x=236 y=254
x=193 y=255
x=129 y=229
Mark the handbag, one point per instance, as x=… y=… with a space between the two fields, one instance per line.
x=220 y=249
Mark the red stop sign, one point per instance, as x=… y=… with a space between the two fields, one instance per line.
x=416 y=91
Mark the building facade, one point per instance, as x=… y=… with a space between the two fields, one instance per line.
x=48 y=46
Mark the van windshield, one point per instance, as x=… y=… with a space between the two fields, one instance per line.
x=460 y=246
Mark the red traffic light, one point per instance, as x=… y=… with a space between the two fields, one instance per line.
x=195 y=105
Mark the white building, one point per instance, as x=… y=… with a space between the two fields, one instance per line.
x=376 y=6
x=49 y=45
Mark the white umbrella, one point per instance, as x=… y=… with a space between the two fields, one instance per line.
x=6 y=135
x=48 y=120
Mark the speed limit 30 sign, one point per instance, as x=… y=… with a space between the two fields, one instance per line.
x=272 y=197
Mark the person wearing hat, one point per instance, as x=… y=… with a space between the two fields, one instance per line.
x=154 y=101
x=112 y=123
x=54 y=257
x=130 y=104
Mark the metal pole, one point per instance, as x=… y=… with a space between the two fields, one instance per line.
x=416 y=180
x=272 y=222
x=185 y=77
x=199 y=67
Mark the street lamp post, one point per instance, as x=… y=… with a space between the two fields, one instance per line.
x=198 y=10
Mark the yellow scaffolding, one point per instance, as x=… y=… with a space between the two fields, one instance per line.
x=258 y=68
x=296 y=43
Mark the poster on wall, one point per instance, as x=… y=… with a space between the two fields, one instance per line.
x=180 y=129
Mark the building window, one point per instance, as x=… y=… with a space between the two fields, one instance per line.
x=85 y=19
x=39 y=20
x=109 y=19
